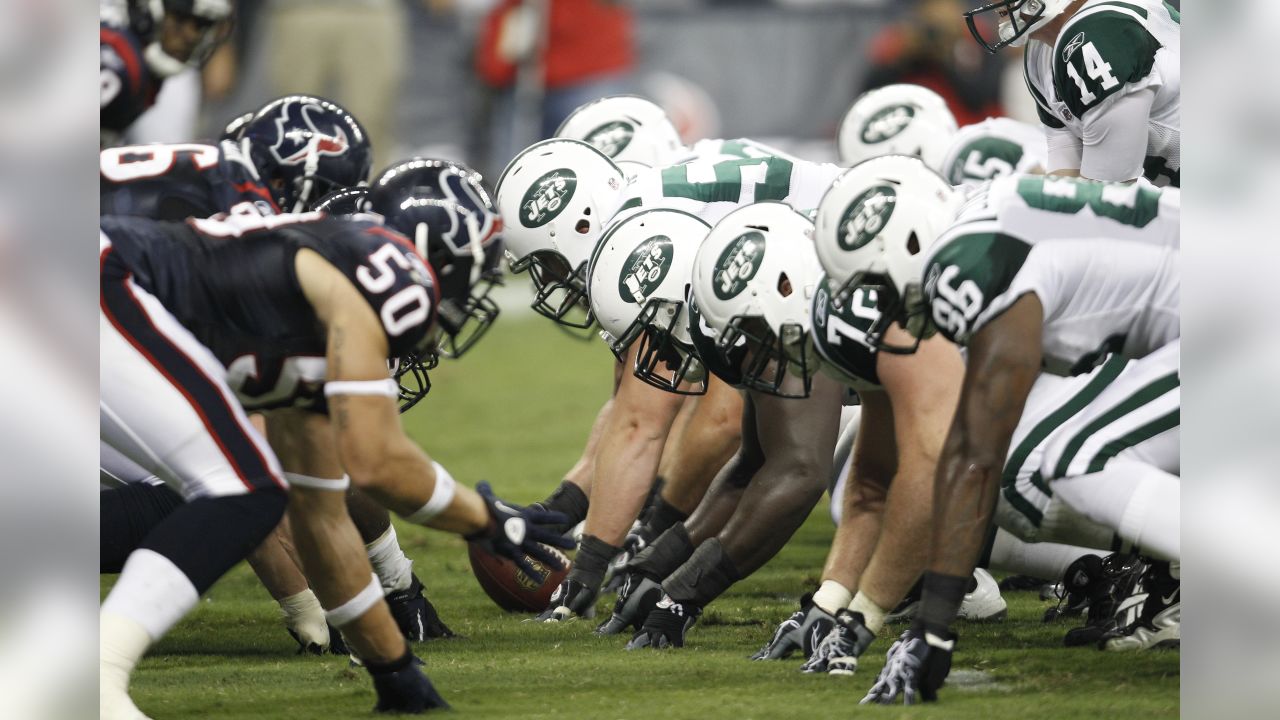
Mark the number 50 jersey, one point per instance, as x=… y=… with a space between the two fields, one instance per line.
x=233 y=284
x=1102 y=259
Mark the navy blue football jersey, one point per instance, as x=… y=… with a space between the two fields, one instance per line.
x=178 y=181
x=128 y=85
x=232 y=283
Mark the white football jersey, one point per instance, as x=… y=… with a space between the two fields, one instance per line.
x=1108 y=49
x=994 y=148
x=711 y=188
x=1103 y=267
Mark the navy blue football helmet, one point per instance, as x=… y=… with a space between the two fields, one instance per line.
x=341 y=202
x=306 y=147
x=235 y=129
x=445 y=210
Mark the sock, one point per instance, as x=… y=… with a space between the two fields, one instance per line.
x=151 y=592
x=1046 y=561
x=121 y=644
x=591 y=561
x=394 y=569
x=873 y=615
x=662 y=516
x=665 y=554
x=941 y=599
x=569 y=499
x=831 y=596
x=704 y=577
x=126 y=515
x=1139 y=502
x=206 y=537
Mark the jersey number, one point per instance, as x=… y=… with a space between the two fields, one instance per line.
x=977 y=168
x=408 y=307
x=1097 y=68
x=955 y=307
x=863 y=305
x=727 y=181
x=136 y=162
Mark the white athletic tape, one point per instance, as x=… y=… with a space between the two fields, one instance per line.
x=385 y=388
x=352 y=609
x=315 y=483
x=446 y=487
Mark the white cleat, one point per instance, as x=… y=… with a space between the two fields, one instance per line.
x=984 y=604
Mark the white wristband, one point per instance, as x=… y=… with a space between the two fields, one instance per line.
x=385 y=388
x=315 y=483
x=352 y=609
x=441 y=496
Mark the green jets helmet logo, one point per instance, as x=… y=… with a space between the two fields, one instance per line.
x=612 y=137
x=645 y=269
x=547 y=197
x=739 y=262
x=866 y=217
x=887 y=123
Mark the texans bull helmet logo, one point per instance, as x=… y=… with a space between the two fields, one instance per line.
x=302 y=124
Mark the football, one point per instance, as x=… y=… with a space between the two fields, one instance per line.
x=509 y=586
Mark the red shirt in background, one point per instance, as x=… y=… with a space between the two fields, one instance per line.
x=586 y=38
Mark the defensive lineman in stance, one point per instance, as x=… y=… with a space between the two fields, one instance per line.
x=330 y=302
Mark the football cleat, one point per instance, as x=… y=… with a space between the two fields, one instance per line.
x=981 y=604
x=838 y=652
x=803 y=631
x=1083 y=584
x=666 y=626
x=415 y=614
x=406 y=690
x=1158 y=624
x=571 y=599
x=1117 y=603
x=637 y=598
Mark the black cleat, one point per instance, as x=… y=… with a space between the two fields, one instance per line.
x=415 y=614
x=1116 y=601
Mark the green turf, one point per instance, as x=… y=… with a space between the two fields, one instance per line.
x=516 y=412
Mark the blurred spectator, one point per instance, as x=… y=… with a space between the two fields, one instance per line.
x=552 y=54
x=353 y=52
x=932 y=47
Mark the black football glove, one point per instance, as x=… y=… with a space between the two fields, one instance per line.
x=803 y=631
x=916 y=666
x=570 y=599
x=666 y=625
x=515 y=532
x=636 y=599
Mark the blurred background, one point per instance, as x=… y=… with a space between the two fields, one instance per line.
x=478 y=80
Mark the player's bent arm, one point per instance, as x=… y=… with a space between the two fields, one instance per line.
x=875 y=459
x=924 y=388
x=1065 y=152
x=1115 y=137
x=371 y=444
x=1004 y=361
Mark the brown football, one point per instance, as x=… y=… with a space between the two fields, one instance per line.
x=509 y=586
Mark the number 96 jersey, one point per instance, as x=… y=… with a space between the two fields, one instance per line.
x=1101 y=258
x=233 y=284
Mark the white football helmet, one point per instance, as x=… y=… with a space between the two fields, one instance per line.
x=896 y=120
x=639 y=281
x=753 y=280
x=1018 y=19
x=994 y=148
x=555 y=198
x=625 y=127
x=874 y=228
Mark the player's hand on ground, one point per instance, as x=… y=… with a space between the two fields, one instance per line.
x=516 y=532
x=636 y=599
x=666 y=625
x=571 y=599
x=915 y=667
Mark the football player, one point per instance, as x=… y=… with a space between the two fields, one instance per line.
x=993 y=148
x=1034 y=272
x=1106 y=81
x=142 y=43
x=176 y=330
x=557 y=197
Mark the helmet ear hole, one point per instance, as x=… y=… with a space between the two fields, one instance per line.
x=913 y=243
x=583 y=227
x=784 y=285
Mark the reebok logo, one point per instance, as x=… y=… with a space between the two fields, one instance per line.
x=1076 y=43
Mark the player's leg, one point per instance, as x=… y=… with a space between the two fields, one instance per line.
x=191 y=432
x=798 y=440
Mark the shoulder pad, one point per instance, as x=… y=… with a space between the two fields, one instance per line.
x=1100 y=54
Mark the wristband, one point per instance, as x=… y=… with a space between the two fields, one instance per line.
x=940 y=600
x=385 y=388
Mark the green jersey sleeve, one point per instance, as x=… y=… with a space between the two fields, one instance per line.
x=1099 y=56
x=970 y=275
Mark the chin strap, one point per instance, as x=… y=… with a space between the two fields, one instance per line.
x=162 y=63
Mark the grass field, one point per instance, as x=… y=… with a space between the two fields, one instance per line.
x=515 y=412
